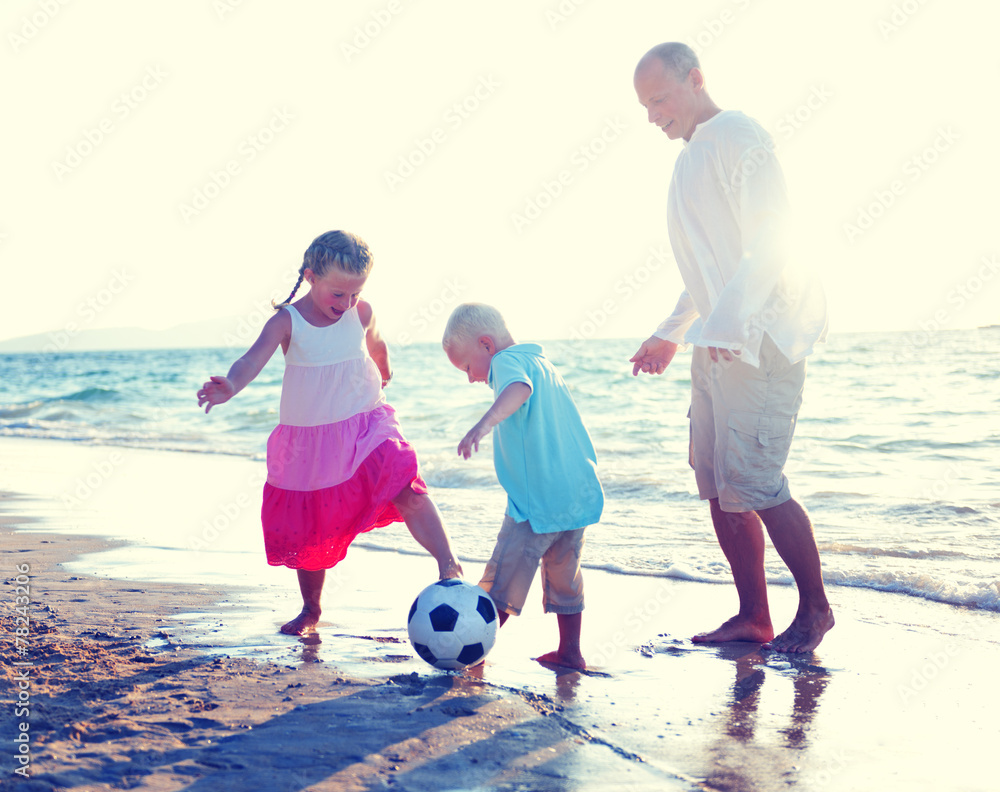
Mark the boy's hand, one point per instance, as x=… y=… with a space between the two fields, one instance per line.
x=470 y=442
x=216 y=391
x=507 y=403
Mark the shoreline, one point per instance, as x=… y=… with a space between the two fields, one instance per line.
x=170 y=684
x=99 y=697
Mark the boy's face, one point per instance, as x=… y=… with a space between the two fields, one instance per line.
x=473 y=357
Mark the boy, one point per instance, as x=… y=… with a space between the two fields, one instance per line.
x=545 y=462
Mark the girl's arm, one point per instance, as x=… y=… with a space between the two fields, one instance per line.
x=277 y=330
x=377 y=347
x=507 y=403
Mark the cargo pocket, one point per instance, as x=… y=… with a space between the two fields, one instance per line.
x=757 y=447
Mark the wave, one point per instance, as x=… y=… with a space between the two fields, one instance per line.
x=35 y=406
x=8 y=411
x=852 y=549
x=87 y=435
x=92 y=395
x=977 y=594
x=984 y=595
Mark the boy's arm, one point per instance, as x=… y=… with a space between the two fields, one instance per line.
x=377 y=347
x=507 y=403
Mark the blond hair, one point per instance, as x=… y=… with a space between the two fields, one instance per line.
x=471 y=320
x=334 y=249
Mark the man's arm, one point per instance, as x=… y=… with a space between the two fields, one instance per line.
x=763 y=203
x=507 y=403
x=659 y=349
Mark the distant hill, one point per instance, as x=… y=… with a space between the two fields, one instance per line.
x=230 y=331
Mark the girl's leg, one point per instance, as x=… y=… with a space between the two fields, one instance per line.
x=311 y=586
x=422 y=518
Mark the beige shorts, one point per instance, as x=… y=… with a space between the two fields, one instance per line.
x=518 y=551
x=742 y=422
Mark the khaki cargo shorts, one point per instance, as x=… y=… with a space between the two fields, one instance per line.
x=516 y=557
x=742 y=422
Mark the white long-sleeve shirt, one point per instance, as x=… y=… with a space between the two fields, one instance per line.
x=727 y=211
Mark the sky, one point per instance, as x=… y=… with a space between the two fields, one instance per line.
x=169 y=163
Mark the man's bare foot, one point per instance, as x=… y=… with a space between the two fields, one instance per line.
x=804 y=634
x=304 y=623
x=738 y=628
x=450 y=569
x=574 y=661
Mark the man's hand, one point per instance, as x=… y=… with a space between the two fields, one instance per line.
x=653 y=356
x=715 y=353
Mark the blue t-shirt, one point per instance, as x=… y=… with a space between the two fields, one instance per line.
x=544 y=458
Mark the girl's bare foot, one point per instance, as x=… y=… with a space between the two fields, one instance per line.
x=449 y=569
x=304 y=623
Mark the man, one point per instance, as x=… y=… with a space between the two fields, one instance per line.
x=753 y=320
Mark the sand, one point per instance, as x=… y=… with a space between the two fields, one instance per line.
x=142 y=677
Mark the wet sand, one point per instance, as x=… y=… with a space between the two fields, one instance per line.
x=142 y=677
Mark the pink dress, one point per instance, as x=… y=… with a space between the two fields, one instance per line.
x=337 y=457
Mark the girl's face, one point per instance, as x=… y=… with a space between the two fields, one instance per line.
x=335 y=293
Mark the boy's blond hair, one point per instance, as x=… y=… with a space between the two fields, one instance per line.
x=471 y=320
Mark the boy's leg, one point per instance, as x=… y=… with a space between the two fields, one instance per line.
x=311 y=586
x=422 y=518
x=569 y=653
x=512 y=566
x=562 y=581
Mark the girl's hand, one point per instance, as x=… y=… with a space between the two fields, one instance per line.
x=216 y=391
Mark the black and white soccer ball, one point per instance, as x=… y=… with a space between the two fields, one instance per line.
x=452 y=624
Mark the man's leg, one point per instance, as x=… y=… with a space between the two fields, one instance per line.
x=791 y=531
x=742 y=540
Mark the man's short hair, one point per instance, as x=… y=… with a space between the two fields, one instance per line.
x=675 y=56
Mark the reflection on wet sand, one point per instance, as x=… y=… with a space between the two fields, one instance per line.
x=753 y=763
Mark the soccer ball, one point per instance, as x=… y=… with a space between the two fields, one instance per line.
x=452 y=624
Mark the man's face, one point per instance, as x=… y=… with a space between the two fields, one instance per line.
x=670 y=102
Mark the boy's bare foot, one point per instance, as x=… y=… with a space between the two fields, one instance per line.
x=738 y=628
x=555 y=658
x=304 y=623
x=804 y=634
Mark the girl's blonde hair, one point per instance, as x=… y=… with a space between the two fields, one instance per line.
x=471 y=320
x=341 y=249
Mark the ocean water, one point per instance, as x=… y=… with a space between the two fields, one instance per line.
x=896 y=456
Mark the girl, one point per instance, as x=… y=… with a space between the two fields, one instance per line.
x=337 y=463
